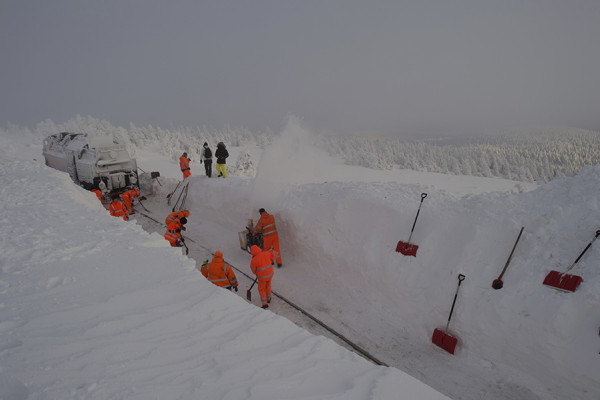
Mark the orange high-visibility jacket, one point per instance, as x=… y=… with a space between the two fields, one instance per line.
x=176 y=215
x=98 y=194
x=184 y=163
x=173 y=233
x=266 y=224
x=118 y=209
x=128 y=197
x=218 y=272
x=262 y=263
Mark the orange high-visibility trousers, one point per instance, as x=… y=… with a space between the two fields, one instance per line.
x=264 y=289
x=272 y=240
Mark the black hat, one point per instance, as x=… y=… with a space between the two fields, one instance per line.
x=262 y=210
x=184 y=154
x=205 y=144
x=183 y=220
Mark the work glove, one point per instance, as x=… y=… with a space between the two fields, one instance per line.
x=183 y=228
x=142 y=198
x=235 y=288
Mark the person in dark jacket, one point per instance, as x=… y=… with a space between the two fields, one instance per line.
x=221 y=155
x=206 y=157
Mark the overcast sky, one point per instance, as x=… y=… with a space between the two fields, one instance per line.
x=425 y=67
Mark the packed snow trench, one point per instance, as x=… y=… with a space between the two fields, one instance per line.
x=96 y=307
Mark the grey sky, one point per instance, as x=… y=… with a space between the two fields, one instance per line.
x=394 y=67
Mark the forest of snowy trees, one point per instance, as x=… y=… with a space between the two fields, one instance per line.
x=533 y=155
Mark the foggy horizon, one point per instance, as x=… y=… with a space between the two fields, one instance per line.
x=382 y=67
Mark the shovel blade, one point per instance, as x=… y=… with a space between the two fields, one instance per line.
x=407 y=249
x=497 y=284
x=445 y=341
x=562 y=281
x=249 y=295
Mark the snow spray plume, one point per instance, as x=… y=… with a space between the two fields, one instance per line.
x=291 y=159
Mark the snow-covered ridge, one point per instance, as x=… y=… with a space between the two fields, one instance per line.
x=527 y=155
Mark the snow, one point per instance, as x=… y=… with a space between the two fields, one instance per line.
x=94 y=307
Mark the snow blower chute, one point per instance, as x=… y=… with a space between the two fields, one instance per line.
x=407 y=248
x=441 y=338
x=248 y=238
x=565 y=281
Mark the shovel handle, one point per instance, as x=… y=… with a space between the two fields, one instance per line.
x=461 y=278
x=423 y=195
x=511 y=253
x=584 y=250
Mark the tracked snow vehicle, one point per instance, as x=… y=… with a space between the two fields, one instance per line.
x=92 y=160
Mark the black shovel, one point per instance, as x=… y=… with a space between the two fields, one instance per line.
x=442 y=338
x=407 y=248
x=249 y=291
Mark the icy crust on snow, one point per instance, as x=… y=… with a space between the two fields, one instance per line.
x=93 y=307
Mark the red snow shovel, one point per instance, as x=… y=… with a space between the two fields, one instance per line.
x=441 y=338
x=497 y=284
x=564 y=281
x=249 y=292
x=407 y=248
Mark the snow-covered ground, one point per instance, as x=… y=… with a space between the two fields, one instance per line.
x=94 y=307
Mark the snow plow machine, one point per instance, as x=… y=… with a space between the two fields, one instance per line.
x=93 y=162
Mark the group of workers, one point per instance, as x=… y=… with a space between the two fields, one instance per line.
x=121 y=205
x=206 y=157
x=216 y=271
x=219 y=272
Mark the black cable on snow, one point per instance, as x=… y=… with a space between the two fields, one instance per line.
x=343 y=338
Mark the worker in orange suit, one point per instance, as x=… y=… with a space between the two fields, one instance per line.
x=98 y=194
x=262 y=266
x=117 y=207
x=176 y=215
x=219 y=272
x=173 y=233
x=128 y=198
x=266 y=225
x=184 y=164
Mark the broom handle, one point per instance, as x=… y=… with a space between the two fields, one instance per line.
x=584 y=250
x=461 y=278
x=423 y=195
x=511 y=253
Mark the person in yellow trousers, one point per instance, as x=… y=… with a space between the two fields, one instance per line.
x=221 y=155
x=219 y=272
x=262 y=266
x=266 y=225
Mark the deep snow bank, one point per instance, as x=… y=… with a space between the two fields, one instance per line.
x=338 y=240
x=93 y=307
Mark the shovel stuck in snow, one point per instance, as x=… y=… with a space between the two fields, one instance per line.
x=441 y=338
x=565 y=281
x=497 y=283
x=407 y=248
